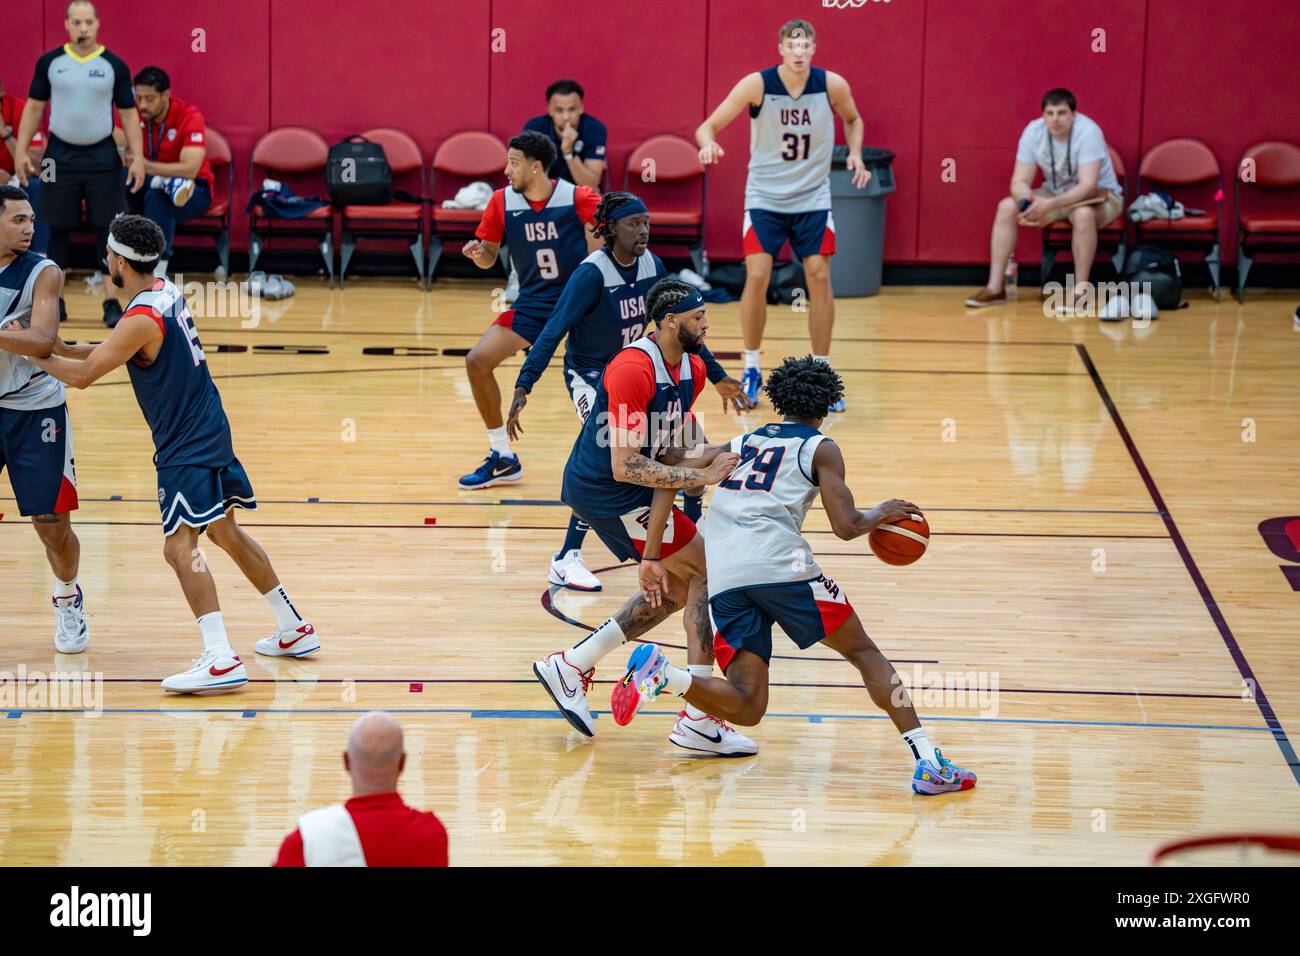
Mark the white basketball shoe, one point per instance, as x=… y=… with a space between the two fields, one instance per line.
x=568 y=687
x=71 y=635
x=211 y=672
x=296 y=642
x=569 y=571
x=711 y=736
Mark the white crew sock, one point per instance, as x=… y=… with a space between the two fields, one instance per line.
x=922 y=748
x=823 y=358
x=213 y=628
x=697 y=670
x=752 y=358
x=287 y=617
x=676 y=680
x=584 y=655
x=500 y=442
x=158 y=182
x=65 y=589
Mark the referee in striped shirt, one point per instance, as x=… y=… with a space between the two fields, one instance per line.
x=82 y=81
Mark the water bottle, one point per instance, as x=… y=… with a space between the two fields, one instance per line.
x=1011 y=280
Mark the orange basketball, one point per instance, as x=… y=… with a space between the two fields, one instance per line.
x=901 y=542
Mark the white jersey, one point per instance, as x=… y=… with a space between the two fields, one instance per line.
x=790 y=144
x=753 y=533
x=23 y=386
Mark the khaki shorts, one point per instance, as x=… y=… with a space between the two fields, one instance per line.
x=1107 y=212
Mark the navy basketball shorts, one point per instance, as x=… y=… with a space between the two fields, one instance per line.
x=807 y=611
x=527 y=324
x=196 y=495
x=582 y=390
x=625 y=535
x=809 y=233
x=36 y=449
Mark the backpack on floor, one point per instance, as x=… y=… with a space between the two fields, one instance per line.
x=357 y=173
x=1150 y=264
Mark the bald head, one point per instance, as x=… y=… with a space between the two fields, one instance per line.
x=374 y=756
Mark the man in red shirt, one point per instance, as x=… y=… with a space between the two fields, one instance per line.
x=11 y=111
x=374 y=828
x=176 y=165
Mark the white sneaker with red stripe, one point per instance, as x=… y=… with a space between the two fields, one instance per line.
x=711 y=736
x=211 y=672
x=568 y=687
x=296 y=642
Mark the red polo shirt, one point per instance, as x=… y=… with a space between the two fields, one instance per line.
x=182 y=126
x=392 y=834
x=11 y=111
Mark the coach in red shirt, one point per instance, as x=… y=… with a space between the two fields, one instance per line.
x=11 y=111
x=176 y=165
x=374 y=828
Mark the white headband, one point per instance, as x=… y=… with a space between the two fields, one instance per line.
x=126 y=252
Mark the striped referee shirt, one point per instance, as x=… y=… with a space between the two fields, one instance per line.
x=82 y=92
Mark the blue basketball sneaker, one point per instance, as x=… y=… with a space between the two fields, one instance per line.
x=752 y=380
x=837 y=407
x=643 y=681
x=940 y=776
x=496 y=467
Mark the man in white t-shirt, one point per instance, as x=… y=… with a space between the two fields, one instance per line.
x=1079 y=184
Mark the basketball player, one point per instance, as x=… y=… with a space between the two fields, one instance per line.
x=792 y=111
x=35 y=429
x=641 y=407
x=602 y=310
x=762 y=571
x=200 y=481
x=542 y=221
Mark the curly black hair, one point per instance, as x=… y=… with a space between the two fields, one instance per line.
x=804 y=387
x=601 y=226
x=665 y=294
x=535 y=145
x=142 y=235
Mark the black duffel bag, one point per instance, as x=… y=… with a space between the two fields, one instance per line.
x=1158 y=269
x=357 y=173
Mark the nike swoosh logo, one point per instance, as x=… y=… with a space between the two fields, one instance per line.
x=560 y=675
x=517 y=212
x=284 y=646
x=716 y=738
x=217 y=673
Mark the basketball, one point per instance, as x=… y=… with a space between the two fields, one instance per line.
x=901 y=542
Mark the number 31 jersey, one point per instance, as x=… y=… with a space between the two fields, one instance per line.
x=790 y=143
x=177 y=395
x=753 y=532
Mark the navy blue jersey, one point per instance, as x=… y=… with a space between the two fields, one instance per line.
x=637 y=392
x=602 y=310
x=177 y=395
x=545 y=246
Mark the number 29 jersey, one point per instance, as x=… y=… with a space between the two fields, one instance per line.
x=790 y=144
x=177 y=395
x=753 y=532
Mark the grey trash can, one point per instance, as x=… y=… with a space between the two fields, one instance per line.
x=859 y=222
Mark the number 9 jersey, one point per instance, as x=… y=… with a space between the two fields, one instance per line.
x=753 y=528
x=177 y=395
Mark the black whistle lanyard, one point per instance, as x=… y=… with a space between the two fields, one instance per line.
x=1051 y=155
x=152 y=147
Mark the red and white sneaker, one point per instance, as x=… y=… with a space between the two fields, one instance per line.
x=211 y=672
x=298 y=642
x=568 y=687
x=710 y=735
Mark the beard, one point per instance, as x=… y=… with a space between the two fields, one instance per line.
x=690 y=344
x=116 y=279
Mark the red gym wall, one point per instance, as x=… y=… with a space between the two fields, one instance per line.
x=934 y=79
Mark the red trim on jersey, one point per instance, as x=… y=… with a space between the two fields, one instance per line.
x=684 y=531
x=828 y=242
x=492 y=227
x=834 y=614
x=151 y=312
x=67 y=500
x=750 y=244
x=722 y=651
x=585 y=201
x=506 y=319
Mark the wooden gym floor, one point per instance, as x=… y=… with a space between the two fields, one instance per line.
x=1118 y=638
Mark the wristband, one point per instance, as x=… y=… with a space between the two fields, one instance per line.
x=646 y=557
x=568 y=156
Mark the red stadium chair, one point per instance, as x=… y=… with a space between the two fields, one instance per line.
x=297 y=156
x=394 y=220
x=463 y=158
x=1185 y=162
x=1271 y=174
x=215 y=223
x=668 y=169
x=1110 y=239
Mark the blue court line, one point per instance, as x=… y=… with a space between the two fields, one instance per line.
x=556 y=715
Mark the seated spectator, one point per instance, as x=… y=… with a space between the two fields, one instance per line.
x=579 y=138
x=11 y=110
x=374 y=828
x=178 y=176
x=1079 y=184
